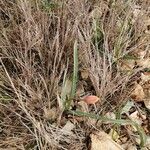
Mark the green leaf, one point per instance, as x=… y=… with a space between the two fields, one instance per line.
x=127 y=107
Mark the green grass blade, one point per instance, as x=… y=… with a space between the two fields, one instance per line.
x=74 y=78
x=115 y=121
x=75 y=71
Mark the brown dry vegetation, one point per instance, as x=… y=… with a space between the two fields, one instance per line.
x=37 y=40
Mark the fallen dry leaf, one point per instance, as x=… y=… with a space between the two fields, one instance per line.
x=102 y=141
x=92 y=99
x=127 y=65
x=128 y=145
x=145 y=77
x=138 y=93
x=140 y=53
x=145 y=63
x=147 y=95
x=131 y=147
x=147 y=103
x=67 y=129
x=136 y=117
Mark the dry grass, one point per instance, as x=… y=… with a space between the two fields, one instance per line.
x=36 y=49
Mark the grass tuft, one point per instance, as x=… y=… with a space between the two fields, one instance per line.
x=50 y=51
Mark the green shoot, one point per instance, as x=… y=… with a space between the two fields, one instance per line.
x=115 y=121
x=75 y=71
x=73 y=85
